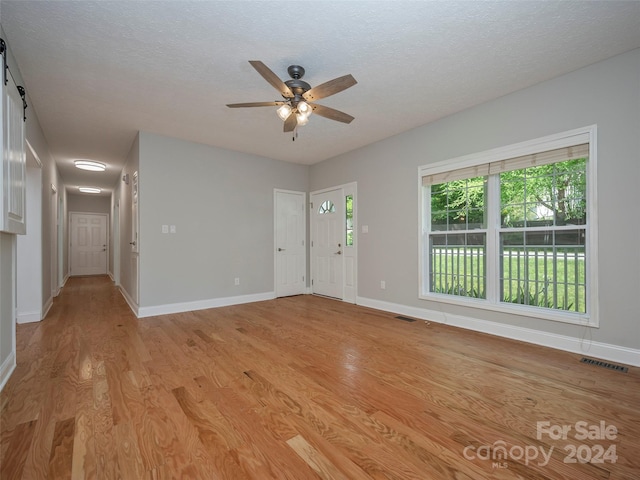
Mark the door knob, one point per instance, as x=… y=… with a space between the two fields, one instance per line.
x=281 y=249
x=132 y=243
x=339 y=252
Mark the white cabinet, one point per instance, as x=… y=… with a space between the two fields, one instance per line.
x=13 y=171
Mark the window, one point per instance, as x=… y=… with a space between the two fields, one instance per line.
x=510 y=229
x=458 y=237
x=349 y=220
x=327 y=207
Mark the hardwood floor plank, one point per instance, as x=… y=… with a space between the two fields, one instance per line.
x=14 y=454
x=60 y=461
x=183 y=451
x=298 y=388
x=260 y=454
x=214 y=432
x=84 y=455
x=36 y=465
x=335 y=454
x=129 y=460
x=316 y=460
x=104 y=436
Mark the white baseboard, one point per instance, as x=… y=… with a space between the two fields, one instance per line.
x=47 y=306
x=132 y=305
x=6 y=369
x=605 y=351
x=28 y=317
x=57 y=291
x=203 y=304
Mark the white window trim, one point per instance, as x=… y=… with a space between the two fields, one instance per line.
x=564 y=139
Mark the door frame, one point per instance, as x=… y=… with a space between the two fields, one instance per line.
x=350 y=256
x=30 y=264
x=135 y=240
x=61 y=245
x=106 y=216
x=53 y=225
x=115 y=235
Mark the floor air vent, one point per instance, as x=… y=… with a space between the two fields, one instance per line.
x=406 y=319
x=610 y=366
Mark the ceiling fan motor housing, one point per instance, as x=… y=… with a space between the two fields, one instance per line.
x=296 y=84
x=295 y=71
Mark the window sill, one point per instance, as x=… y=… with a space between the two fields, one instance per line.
x=573 y=318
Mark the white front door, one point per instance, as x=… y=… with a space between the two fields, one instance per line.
x=327 y=246
x=88 y=244
x=290 y=233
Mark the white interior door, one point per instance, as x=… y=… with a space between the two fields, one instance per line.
x=88 y=244
x=327 y=246
x=290 y=241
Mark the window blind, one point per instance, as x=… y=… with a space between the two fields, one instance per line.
x=542 y=158
x=516 y=163
x=459 y=174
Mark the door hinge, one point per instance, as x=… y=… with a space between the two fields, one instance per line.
x=312 y=281
x=311 y=205
x=312 y=243
x=303 y=278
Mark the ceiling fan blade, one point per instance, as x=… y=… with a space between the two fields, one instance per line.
x=331 y=113
x=254 y=104
x=329 y=88
x=290 y=123
x=272 y=78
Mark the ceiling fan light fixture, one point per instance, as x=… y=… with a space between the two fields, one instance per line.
x=304 y=108
x=90 y=165
x=284 y=111
x=302 y=118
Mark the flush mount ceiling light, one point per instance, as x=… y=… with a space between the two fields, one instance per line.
x=90 y=165
x=89 y=190
x=298 y=96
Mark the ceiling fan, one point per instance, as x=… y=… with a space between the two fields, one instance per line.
x=299 y=96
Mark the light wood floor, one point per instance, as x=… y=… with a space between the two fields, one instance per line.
x=298 y=388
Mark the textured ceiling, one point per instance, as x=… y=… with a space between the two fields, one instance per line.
x=98 y=71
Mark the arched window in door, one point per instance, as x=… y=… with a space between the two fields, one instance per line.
x=326 y=207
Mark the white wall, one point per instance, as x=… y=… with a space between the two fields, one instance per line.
x=87 y=203
x=221 y=203
x=606 y=94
